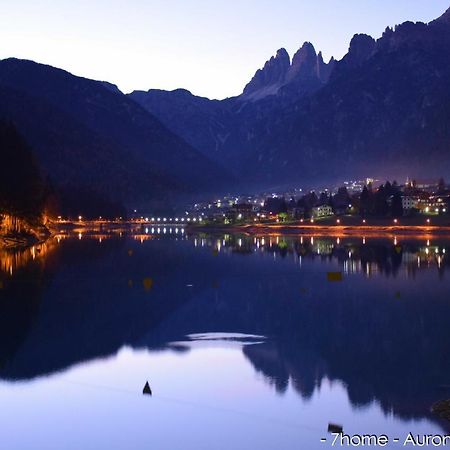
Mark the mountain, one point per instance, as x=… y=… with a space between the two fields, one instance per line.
x=381 y=110
x=88 y=134
x=203 y=123
x=225 y=130
x=384 y=111
x=307 y=73
x=269 y=79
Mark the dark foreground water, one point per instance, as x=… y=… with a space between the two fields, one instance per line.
x=247 y=343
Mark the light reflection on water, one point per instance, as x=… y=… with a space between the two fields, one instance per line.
x=245 y=342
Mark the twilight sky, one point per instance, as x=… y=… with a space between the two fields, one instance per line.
x=211 y=47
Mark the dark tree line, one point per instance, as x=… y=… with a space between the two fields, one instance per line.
x=22 y=190
x=275 y=205
x=386 y=200
x=26 y=194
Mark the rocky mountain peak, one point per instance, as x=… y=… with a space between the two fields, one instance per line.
x=307 y=73
x=304 y=62
x=271 y=76
x=361 y=47
x=305 y=55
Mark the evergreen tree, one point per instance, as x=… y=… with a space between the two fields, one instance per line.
x=323 y=199
x=342 y=199
x=380 y=202
x=366 y=202
x=275 y=205
x=21 y=186
x=397 y=205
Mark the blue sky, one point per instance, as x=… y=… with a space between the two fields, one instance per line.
x=210 y=47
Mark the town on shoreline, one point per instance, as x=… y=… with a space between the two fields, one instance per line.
x=364 y=207
x=355 y=206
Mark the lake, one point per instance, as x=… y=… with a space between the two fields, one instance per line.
x=247 y=342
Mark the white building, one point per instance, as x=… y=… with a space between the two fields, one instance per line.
x=322 y=211
x=409 y=203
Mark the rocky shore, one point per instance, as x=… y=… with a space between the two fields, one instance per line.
x=442 y=409
x=22 y=234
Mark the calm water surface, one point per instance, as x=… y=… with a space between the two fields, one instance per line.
x=245 y=342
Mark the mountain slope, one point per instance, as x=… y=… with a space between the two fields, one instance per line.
x=203 y=123
x=21 y=187
x=85 y=132
x=225 y=130
x=385 y=112
x=380 y=111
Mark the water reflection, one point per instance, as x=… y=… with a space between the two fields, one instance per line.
x=383 y=331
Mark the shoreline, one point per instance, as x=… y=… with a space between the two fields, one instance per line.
x=333 y=230
x=35 y=235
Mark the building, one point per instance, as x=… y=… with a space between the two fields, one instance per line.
x=322 y=211
x=297 y=212
x=409 y=203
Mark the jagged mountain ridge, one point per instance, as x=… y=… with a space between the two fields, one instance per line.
x=385 y=111
x=307 y=73
x=384 y=97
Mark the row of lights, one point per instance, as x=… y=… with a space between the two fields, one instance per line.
x=200 y=219
x=176 y=219
x=338 y=221
x=427 y=210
